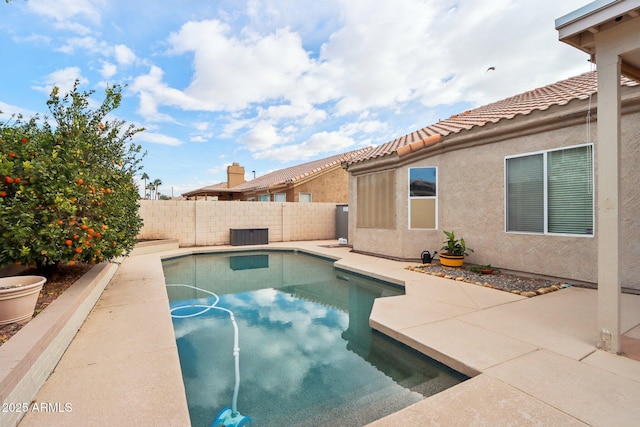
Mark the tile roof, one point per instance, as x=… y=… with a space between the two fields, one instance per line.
x=296 y=173
x=285 y=176
x=559 y=93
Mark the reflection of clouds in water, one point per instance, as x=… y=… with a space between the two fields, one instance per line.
x=297 y=335
x=259 y=298
x=293 y=337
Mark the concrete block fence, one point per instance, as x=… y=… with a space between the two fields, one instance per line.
x=207 y=223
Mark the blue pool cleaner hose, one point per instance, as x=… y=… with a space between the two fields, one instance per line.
x=226 y=417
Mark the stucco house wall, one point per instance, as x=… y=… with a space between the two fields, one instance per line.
x=471 y=196
x=330 y=187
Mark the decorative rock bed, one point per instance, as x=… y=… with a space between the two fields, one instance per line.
x=521 y=285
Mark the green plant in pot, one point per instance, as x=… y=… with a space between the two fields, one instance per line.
x=453 y=251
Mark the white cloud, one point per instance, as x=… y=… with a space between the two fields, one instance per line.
x=260 y=137
x=108 y=70
x=232 y=73
x=202 y=126
x=218 y=169
x=363 y=126
x=318 y=143
x=63 y=12
x=37 y=39
x=84 y=44
x=64 y=78
x=154 y=92
x=124 y=55
x=8 y=110
x=157 y=138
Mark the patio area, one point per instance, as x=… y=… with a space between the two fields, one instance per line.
x=533 y=361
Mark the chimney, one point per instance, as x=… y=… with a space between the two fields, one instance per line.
x=235 y=175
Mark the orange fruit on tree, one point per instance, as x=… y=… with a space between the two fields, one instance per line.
x=84 y=226
x=80 y=181
x=69 y=242
x=78 y=249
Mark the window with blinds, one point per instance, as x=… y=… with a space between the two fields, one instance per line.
x=551 y=192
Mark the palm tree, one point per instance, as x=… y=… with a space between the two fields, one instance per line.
x=145 y=177
x=150 y=187
x=156 y=184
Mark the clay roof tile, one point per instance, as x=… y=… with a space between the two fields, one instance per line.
x=559 y=93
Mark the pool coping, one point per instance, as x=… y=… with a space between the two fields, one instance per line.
x=29 y=357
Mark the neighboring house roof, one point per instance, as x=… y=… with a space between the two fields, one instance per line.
x=220 y=187
x=282 y=177
x=295 y=174
x=559 y=93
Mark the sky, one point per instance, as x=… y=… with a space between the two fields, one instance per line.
x=275 y=83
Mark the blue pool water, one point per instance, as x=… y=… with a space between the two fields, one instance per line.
x=307 y=354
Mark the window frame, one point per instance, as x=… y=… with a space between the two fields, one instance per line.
x=545 y=181
x=305 y=201
x=261 y=197
x=276 y=195
x=410 y=198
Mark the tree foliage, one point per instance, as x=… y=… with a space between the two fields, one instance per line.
x=68 y=192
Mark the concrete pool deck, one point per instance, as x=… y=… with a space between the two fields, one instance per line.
x=533 y=360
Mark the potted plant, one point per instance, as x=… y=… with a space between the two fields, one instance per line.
x=18 y=298
x=453 y=251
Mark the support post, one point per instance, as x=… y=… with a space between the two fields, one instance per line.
x=608 y=202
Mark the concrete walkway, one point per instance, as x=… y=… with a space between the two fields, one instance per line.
x=533 y=361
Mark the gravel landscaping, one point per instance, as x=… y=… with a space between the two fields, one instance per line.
x=522 y=285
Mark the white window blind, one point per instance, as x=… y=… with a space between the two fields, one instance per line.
x=551 y=192
x=525 y=194
x=570 y=191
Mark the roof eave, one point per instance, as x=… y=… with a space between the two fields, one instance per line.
x=578 y=27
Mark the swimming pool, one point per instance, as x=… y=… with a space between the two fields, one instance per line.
x=307 y=354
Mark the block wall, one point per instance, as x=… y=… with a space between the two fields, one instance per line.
x=207 y=223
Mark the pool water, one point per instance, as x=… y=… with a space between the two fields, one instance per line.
x=307 y=354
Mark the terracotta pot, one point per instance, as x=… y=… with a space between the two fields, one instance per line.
x=18 y=298
x=447 y=260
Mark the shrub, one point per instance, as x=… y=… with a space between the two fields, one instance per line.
x=68 y=192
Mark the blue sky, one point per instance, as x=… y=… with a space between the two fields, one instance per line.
x=274 y=83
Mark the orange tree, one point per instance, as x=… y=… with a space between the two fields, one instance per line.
x=68 y=193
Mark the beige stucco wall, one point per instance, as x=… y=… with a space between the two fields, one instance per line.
x=471 y=201
x=329 y=187
x=204 y=223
